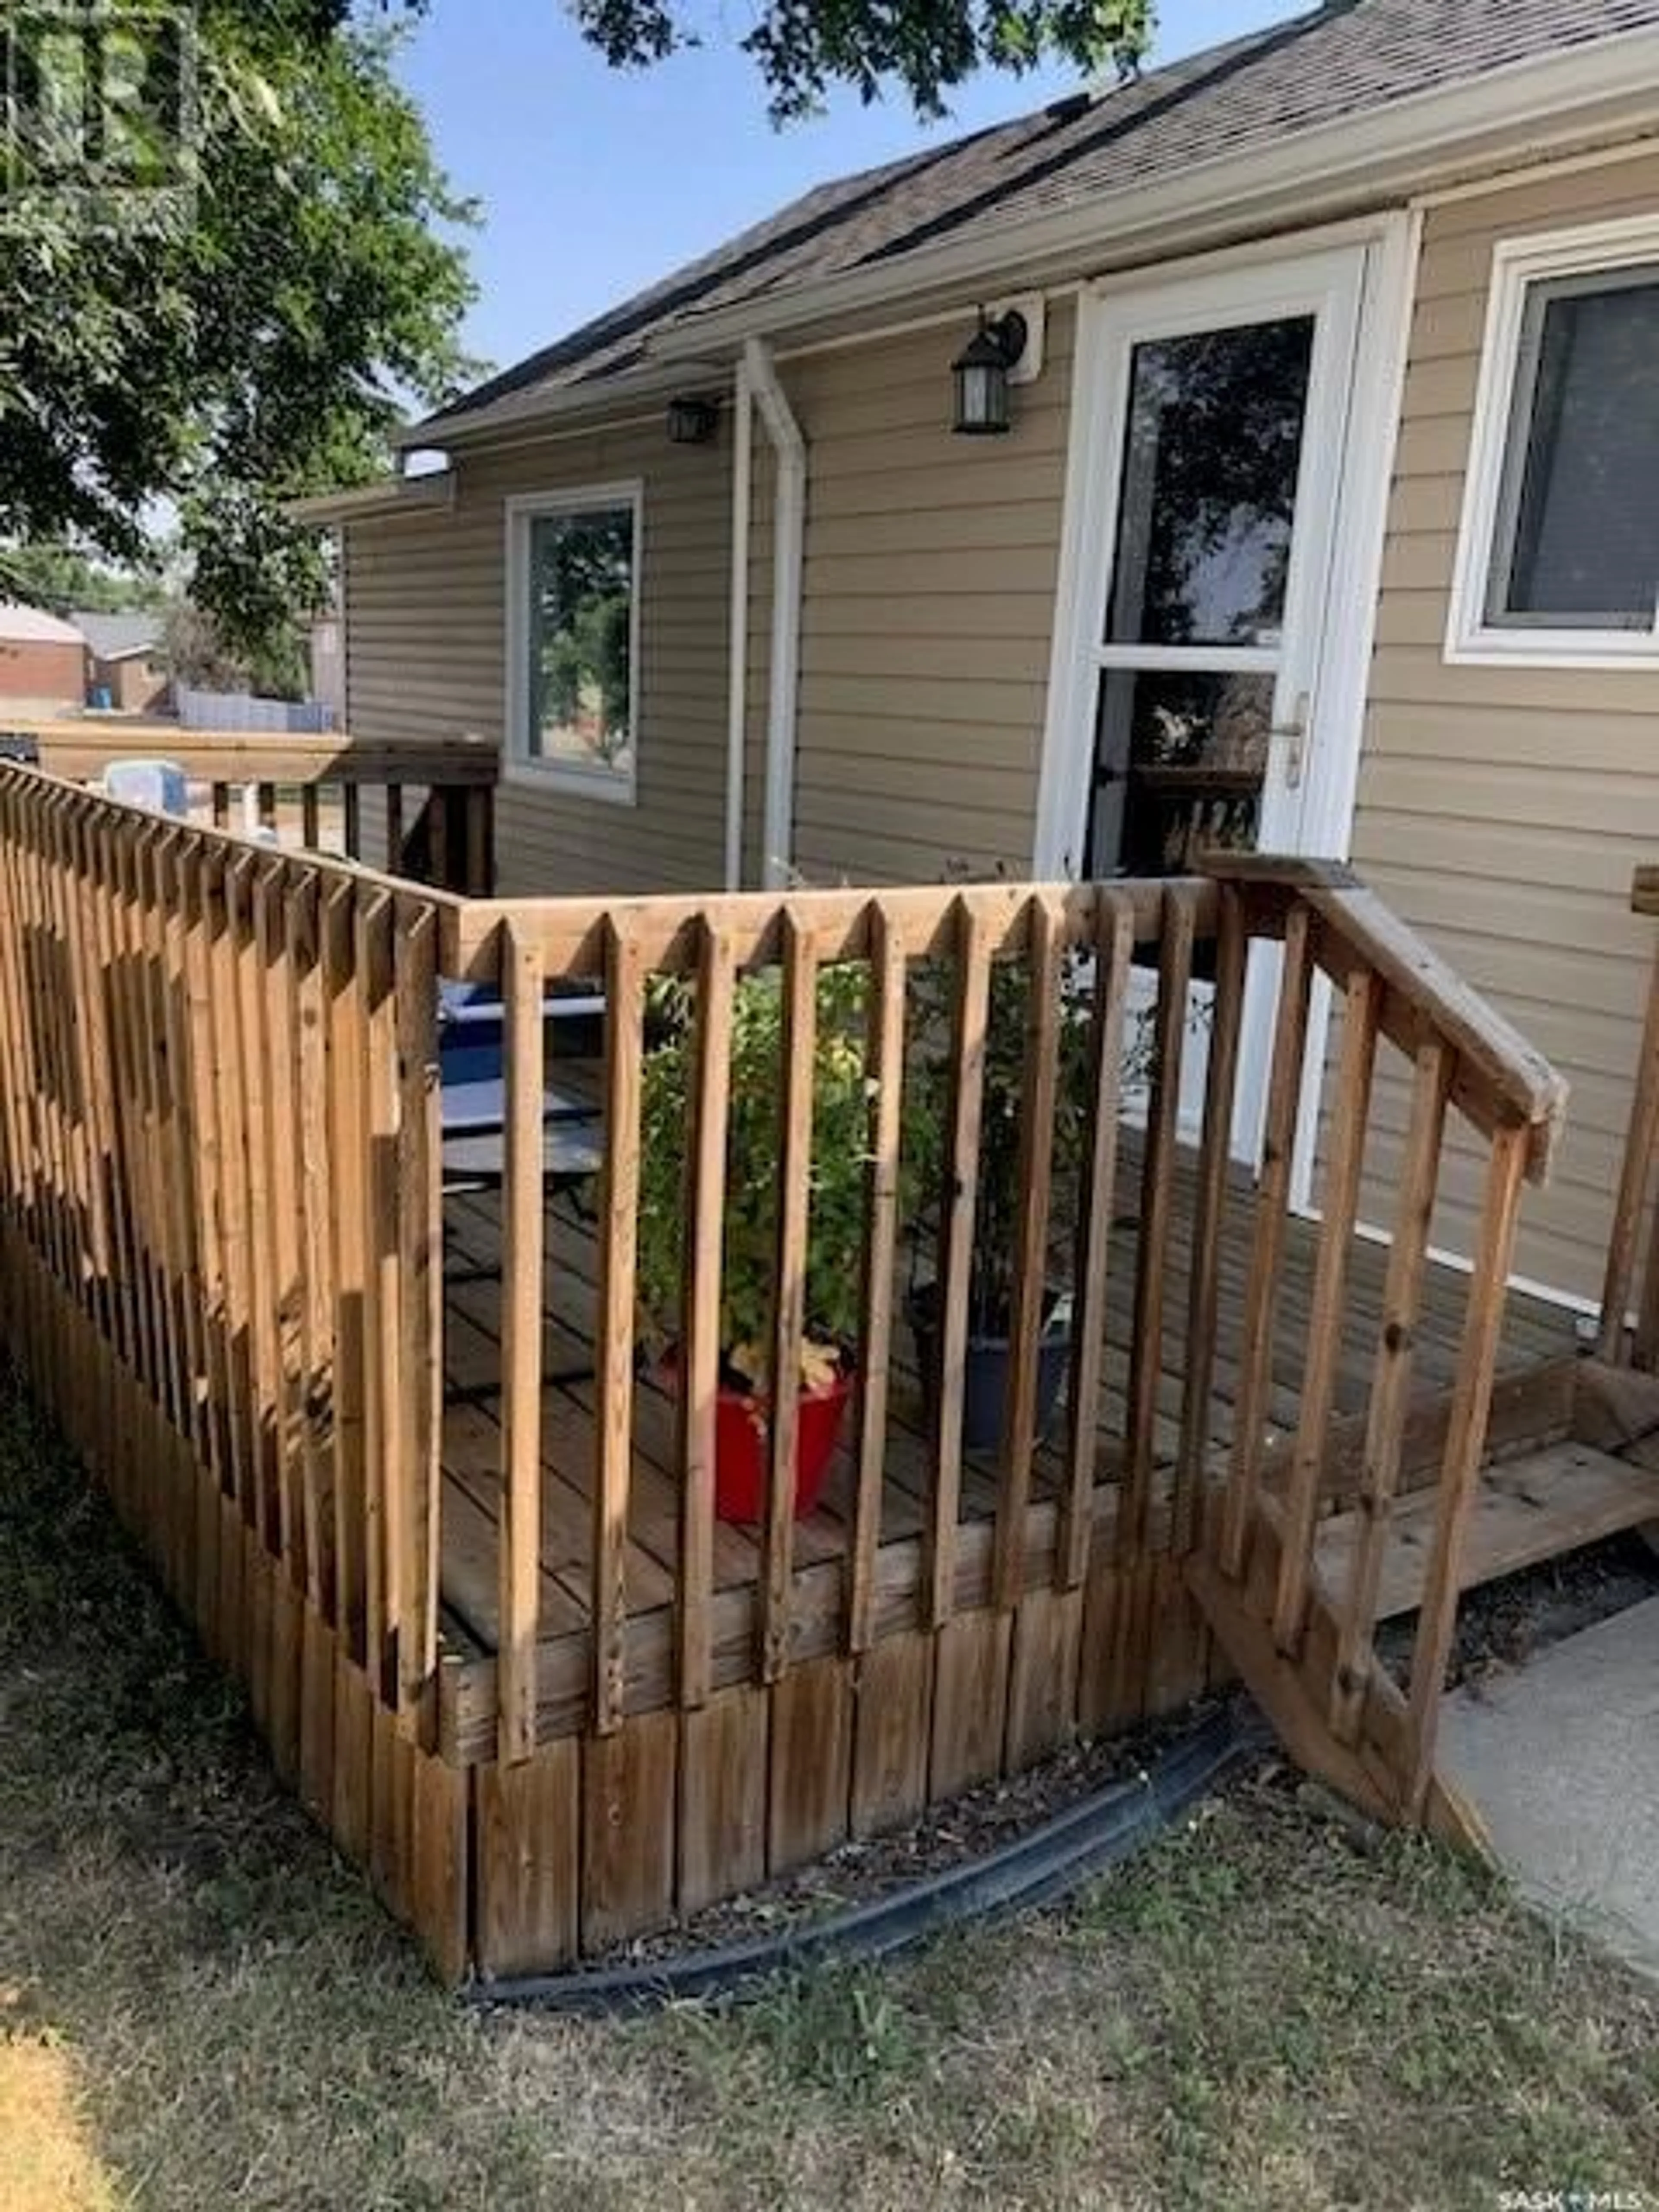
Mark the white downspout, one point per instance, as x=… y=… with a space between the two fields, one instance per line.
x=788 y=539
x=737 y=696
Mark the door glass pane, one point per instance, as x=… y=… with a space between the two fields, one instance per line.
x=1208 y=490
x=1578 y=535
x=1180 y=761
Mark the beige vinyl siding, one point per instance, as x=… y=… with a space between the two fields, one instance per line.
x=425 y=643
x=930 y=567
x=1501 y=810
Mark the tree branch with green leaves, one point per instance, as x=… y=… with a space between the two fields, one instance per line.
x=257 y=344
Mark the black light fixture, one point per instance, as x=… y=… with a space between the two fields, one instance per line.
x=692 y=422
x=981 y=372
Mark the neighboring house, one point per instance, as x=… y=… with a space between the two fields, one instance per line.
x=43 y=663
x=129 y=662
x=1327 y=517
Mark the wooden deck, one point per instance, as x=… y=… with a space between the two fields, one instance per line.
x=485 y=1613
x=1536 y=1334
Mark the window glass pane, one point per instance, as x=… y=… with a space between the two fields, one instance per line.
x=1208 y=491
x=1180 y=761
x=1577 y=541
x=581 y=600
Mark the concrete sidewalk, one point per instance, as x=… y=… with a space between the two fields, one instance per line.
x=1561 y=1760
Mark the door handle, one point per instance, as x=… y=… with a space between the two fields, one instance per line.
x=1295 y=734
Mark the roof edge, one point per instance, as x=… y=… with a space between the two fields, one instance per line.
x=386 y=495
x=600 y=395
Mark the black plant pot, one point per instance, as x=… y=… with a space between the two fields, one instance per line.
x=986 y=1367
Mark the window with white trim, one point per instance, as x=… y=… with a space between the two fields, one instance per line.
x=1558 y=561
x=573 y=574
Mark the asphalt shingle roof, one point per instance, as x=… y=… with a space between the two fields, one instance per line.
x=1347 y=59
x=110 y=636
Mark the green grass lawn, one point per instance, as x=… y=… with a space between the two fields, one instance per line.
x=200 y=2006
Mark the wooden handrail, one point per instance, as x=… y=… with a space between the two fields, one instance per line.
x=1499 y=1080
x=449 y=908
x=424 y=810
x=920 y=922
x=79 y=750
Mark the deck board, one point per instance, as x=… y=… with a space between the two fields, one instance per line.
x=472 y=1435
x=1527 y=1510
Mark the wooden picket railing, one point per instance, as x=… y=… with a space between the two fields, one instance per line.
x=219 y=1147
x=1119 y=1497
x=421 y=810
x=221 y=1228
x=1305 y=1642
x=618 y=947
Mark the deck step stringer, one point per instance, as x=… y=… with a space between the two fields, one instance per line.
x=1537 y=1506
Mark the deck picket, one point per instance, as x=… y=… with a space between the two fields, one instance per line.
x=1272 y=1195
x=700 y=1378
x=1390 y=1386
x=624 y=981
x=420 y=1289
x=1460 y=1466
x=1113 y=946
x=885 y=1047
x=348 y=1141
x=318 y=1349
x=1162 y=1109
x=278 y=1235
x=383 y=1440
x=1034 y=1176
x=1208 y=1241
x=970 y=1011
x=798 y=1052
x=1360 y=1014
x=520 y=1536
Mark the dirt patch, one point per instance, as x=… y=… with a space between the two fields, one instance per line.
x=1504 y=1624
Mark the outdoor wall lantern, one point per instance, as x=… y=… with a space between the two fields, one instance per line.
x=692 y=422
x=981 y=372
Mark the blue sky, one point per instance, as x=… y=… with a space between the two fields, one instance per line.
x=593 y=182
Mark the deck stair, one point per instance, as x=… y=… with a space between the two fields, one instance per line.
x=1588 y=1471
x=1337 y=1710
x=1325 y=1535
x=1525 y=1511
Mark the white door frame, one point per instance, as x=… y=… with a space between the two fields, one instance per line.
x=1359 y=279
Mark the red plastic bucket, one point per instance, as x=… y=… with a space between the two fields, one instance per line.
x=743 y=1437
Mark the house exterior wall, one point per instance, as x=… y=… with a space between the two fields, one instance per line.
x=930 y=568
x=42 y=675
x=425 y=613
x=1501 y=810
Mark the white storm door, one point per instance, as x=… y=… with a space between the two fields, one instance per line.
x=1202 y=529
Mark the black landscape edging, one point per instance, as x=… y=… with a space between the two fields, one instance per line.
x=1033 y=1869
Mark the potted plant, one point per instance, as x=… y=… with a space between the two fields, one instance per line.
x=1000 y=1203
x=841 y=1133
